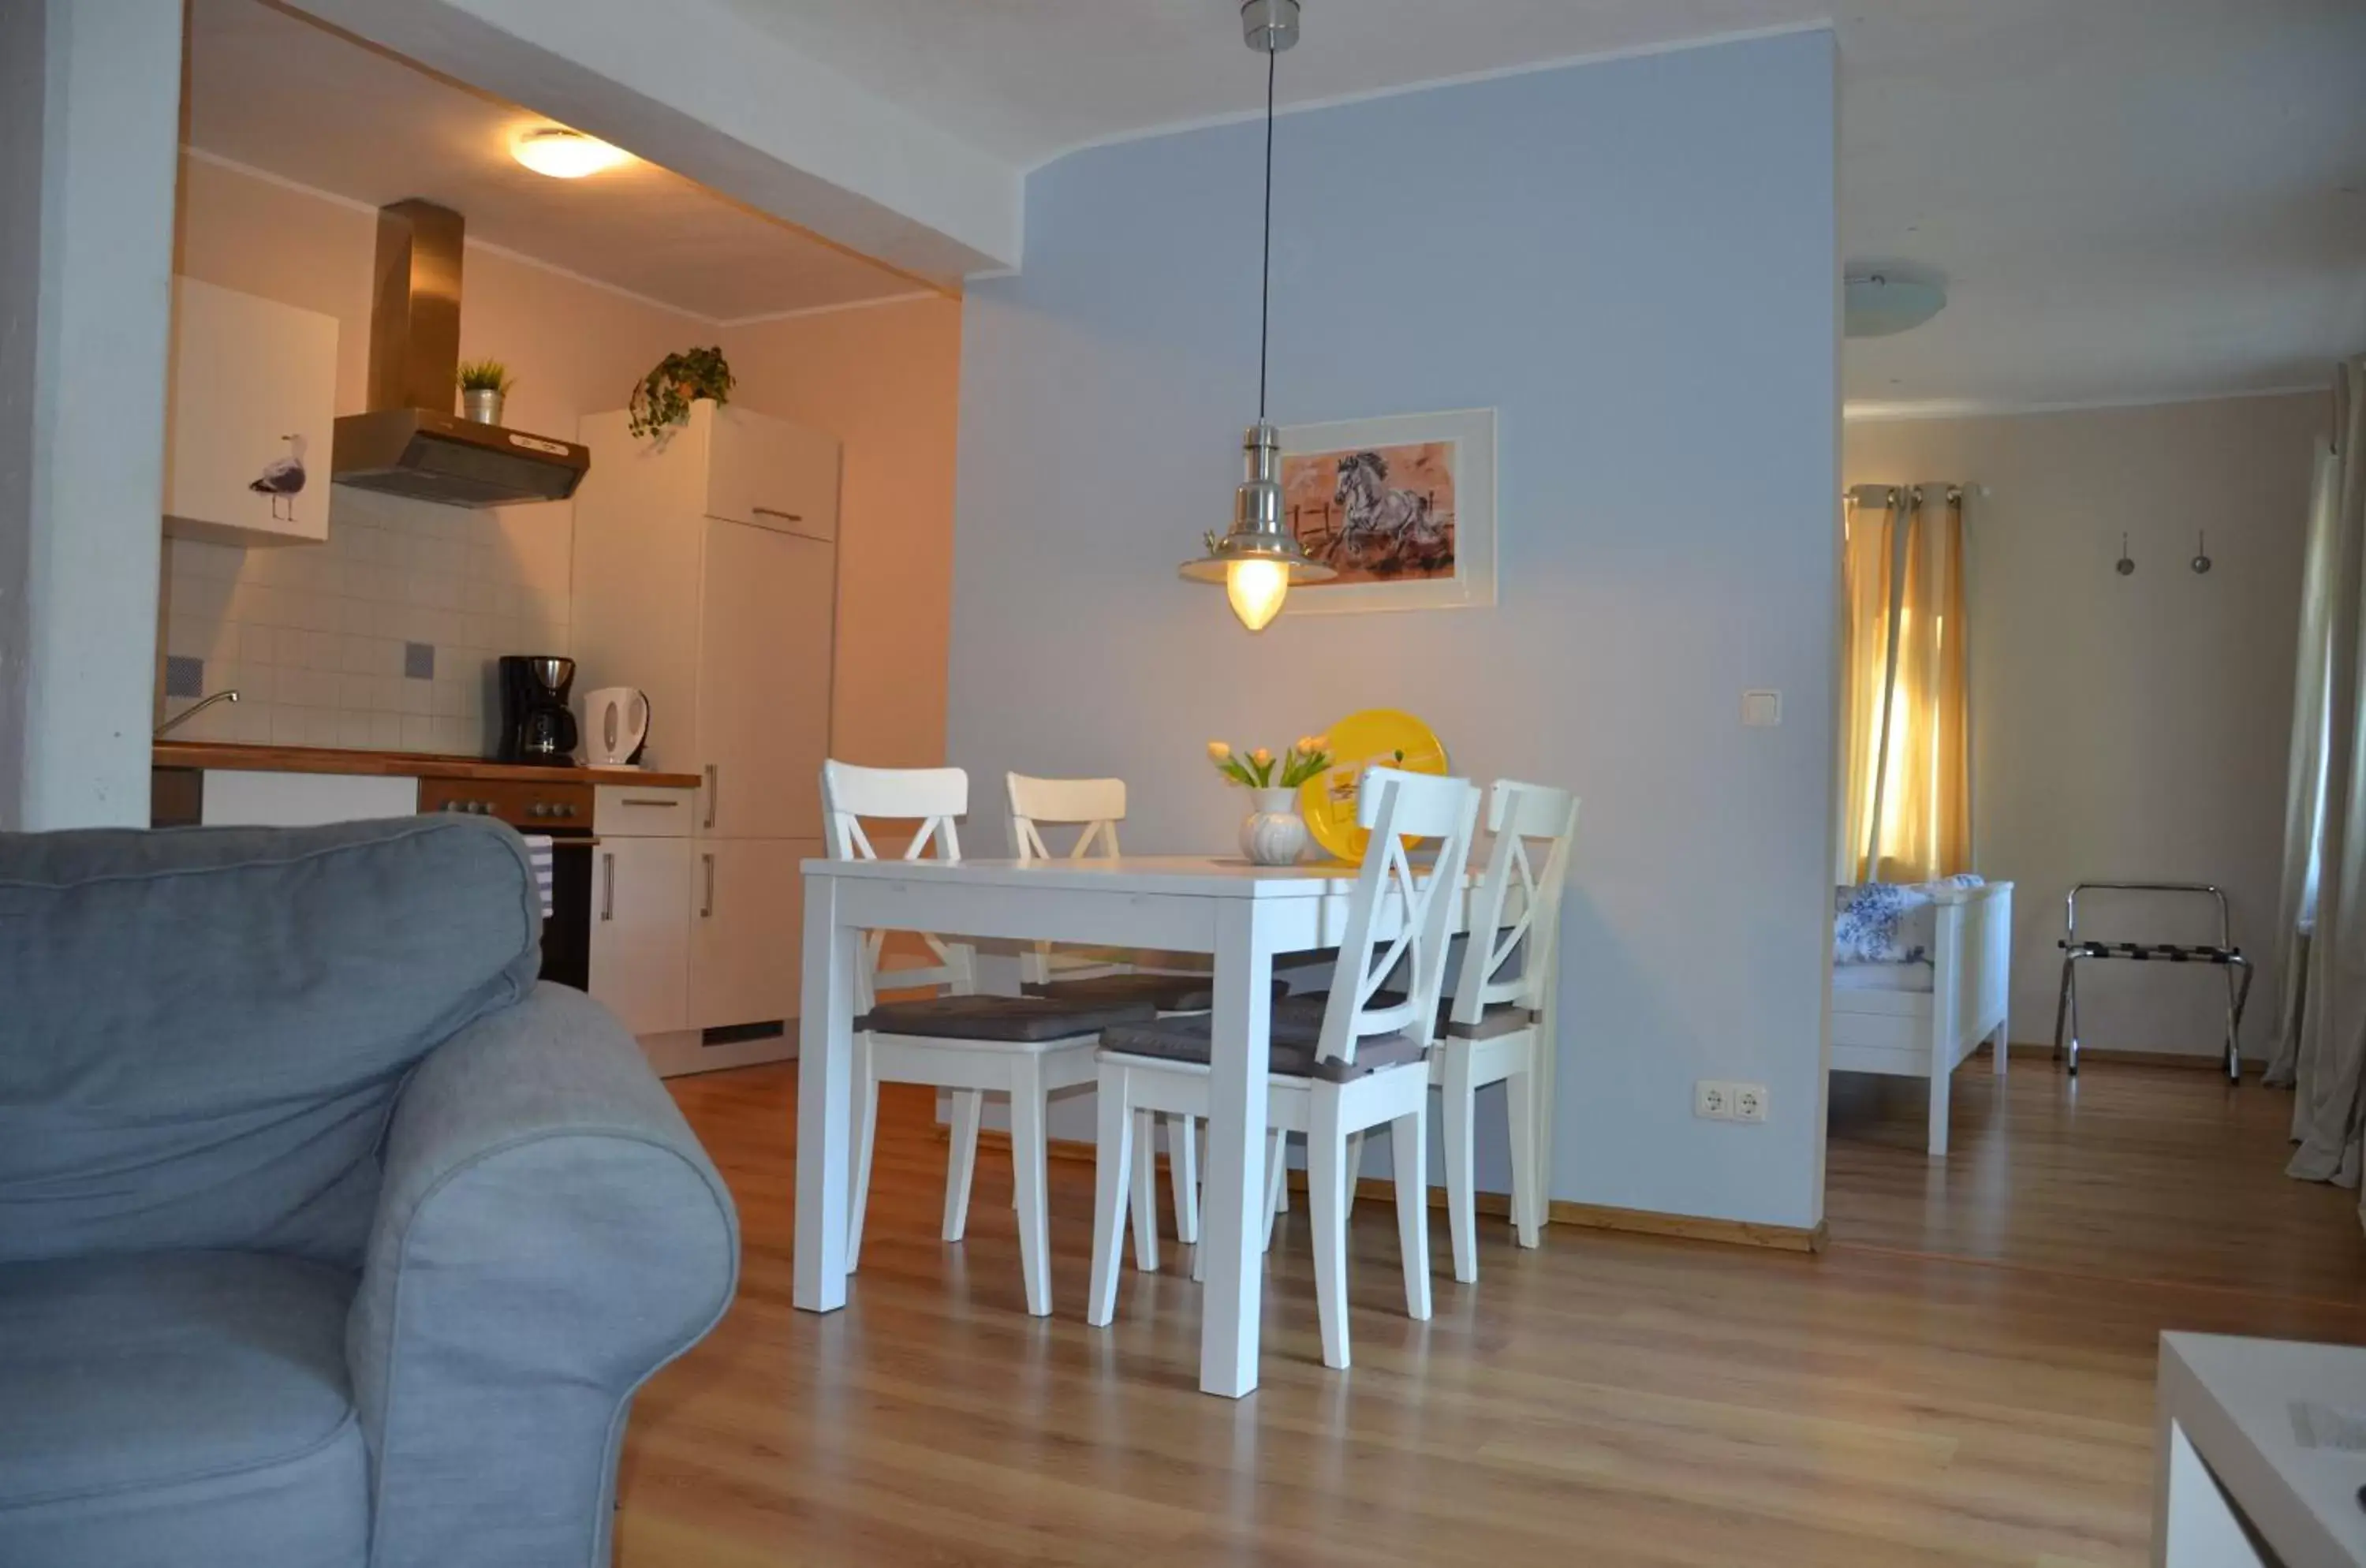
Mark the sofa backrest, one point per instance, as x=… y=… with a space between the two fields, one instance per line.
x=202 y=1030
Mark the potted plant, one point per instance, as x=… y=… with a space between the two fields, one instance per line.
x=1273 y=833
x=664 y=396
x=484 y=384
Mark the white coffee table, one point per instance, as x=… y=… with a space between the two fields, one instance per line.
x=2238 y=1484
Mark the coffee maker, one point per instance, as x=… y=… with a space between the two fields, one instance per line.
x=537 y=727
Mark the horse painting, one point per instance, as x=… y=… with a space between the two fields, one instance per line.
x=1386 y=531
x=1399 y=508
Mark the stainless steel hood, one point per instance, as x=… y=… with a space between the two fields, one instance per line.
x=408 y=443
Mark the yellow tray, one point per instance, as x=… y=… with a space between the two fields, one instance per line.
x=1381 y=738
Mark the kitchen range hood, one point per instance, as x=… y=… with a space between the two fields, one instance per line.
x=409 y=444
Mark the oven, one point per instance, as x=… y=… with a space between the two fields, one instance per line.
x=561 y=811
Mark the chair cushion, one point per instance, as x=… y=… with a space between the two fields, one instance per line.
x=1168 y=993
x=179 y=1408
x=206 y=1026
x=1496 y=1019
x=1013 y=1019
x=1291 y=1047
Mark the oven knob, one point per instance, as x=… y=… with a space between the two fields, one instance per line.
x=567 y=811
x=480 y=807
x=538 y=809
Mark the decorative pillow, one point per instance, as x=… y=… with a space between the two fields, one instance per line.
x=1889 y=922
x=1872 y=924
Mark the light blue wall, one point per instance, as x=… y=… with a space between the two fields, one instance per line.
x=1635 y=262
x=82 y=516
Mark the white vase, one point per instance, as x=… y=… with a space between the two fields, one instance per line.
x=1273 y=833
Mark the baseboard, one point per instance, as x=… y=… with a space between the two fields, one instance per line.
x=681 y=1054
x=1693 y=1227
x=1498 y=1205
x=2043 y=1049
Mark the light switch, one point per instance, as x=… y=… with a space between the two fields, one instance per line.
x=1761 y=710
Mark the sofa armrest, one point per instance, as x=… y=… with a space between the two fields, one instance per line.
x=549 y=1233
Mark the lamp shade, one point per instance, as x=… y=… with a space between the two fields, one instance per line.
x=1259 y=559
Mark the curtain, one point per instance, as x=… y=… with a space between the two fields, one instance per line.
x=2321 y=925
x=1906 y=727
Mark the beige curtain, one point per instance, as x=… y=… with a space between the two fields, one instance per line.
x=2321 y=929
x=1906 y=729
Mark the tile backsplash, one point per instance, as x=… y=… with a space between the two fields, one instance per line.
x=382 y=637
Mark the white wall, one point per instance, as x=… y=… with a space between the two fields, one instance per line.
x=110 y=115
x=2127 y=729
x=707 y=92
x=23 y=63
x=1635 y=262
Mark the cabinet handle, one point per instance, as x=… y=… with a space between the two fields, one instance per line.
x=714 y=788
x=776 y=511
x=706 y=910
x=608 y=887
x=668 y=805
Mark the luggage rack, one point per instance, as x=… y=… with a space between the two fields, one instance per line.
x=2223 y=953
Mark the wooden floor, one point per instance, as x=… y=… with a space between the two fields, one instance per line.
x=1965 y=1377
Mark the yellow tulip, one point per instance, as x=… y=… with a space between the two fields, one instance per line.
x=1219 y=752
x=1261 y=756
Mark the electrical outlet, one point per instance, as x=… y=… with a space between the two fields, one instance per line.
x=1749 y=1101
x=1713 y=1100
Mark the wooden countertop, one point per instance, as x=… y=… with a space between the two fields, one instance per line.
x=397 y=764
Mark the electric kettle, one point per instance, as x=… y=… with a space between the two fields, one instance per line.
x=615 y=726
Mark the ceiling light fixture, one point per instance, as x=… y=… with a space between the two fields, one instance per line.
x=564 y=154
x=1259 y=559
x=1878 y=304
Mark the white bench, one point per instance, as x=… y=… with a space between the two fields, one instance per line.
x=1903 y=1031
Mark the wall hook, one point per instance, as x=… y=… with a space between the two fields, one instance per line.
x=2126 y=568
x=2201 y=562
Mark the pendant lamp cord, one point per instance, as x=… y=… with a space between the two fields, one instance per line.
x=1265 y=281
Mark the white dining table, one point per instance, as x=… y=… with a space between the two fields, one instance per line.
x=1242 y=915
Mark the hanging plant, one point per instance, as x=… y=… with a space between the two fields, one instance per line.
x=664 y=396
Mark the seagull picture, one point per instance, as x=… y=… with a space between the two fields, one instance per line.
x=283 y=478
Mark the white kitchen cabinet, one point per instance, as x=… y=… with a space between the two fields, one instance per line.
x=726 y=620
x=764 y=637
x=642 y=811
x=767 y=472
x=746 y=930
x=249 y=420
x=652 y=568
x=640 y=933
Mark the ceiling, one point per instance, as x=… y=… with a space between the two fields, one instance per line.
x=279 y=93
x=2129 y=200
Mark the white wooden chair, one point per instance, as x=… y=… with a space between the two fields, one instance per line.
x=1493 y=1027
x=1364 y=1065
x=1495 y=1030
x=1026 y=1047
x=1094 y=808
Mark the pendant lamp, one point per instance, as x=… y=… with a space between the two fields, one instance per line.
x=1260 y=559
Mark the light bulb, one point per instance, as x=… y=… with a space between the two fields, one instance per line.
x=564 y=154
x=1257 y=589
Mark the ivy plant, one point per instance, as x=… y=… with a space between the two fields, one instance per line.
x=664 y=396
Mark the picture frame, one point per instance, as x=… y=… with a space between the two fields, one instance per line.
x=1401 y=506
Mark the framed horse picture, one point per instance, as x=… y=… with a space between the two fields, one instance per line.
x=1402 y=508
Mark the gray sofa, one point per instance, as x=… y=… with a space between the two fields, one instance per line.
x=327 y=1234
